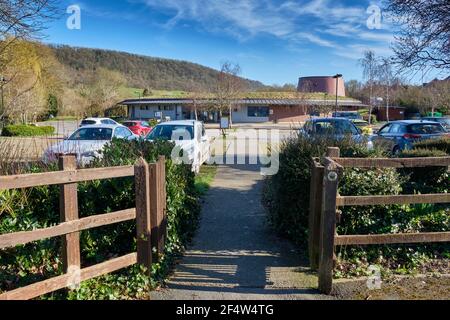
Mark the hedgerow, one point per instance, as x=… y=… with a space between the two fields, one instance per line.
x=38 y=207
x=23 y=130
x=287 y=198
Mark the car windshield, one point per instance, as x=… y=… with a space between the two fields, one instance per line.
x=87 y=122
x=334 y=127
x=425 y=128
x=172 y=132
x=92 y=134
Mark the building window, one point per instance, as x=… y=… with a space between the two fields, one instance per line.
x=144 y=108
x=258 y=112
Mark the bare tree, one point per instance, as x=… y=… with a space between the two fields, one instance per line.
x=196 y=93
x=228 y=88
x=370 y=67
x=424 y=39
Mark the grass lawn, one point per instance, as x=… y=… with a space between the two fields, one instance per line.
x=204 y=178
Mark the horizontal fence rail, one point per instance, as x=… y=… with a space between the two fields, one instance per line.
x=63 y=177
x=393 y=162
x=325 y=199
x=149 y=214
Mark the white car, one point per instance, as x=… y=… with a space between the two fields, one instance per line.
x=189 y=135
x=98 y=121
x=87 y=142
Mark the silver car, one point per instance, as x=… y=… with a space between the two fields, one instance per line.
x=87 y=142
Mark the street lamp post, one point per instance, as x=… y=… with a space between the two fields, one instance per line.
x=337 y=89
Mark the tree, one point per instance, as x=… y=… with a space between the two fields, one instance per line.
x=386 y=77
x=196 y=93
x=228 y=88
x=424 y=38
x=370 y=67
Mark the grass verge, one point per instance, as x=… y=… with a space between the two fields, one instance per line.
x=204 y=178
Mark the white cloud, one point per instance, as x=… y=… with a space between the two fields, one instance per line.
x=321 y=22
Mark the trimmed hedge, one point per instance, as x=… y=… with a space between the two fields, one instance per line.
x=23 y=130
x=22 y=210
x=442 y=144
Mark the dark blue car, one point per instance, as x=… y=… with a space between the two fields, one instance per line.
x=400 y=135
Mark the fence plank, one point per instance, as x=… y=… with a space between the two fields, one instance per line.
x=68 y=208
x=57 y=177
x=143 y=207
x=163 y=220
x=53 y=284
x=328 y=226
x=392 y=238
x=315 y=209
x=20 y=238
x=394 y=199
x=393 y=162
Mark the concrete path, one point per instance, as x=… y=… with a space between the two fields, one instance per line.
x=235 y=255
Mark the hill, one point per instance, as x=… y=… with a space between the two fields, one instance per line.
x=140 y=71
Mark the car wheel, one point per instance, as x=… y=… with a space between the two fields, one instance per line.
x=396 y=151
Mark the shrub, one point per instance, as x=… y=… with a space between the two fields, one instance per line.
x=27 y=131
x=442 y=144
x=287 y=198
x=428 y=179
x=38 y=207
x=287 y=193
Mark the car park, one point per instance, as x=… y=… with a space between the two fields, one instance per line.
x=97 y=121
x=189 y=135
x=87 y=142
x=400 y=135
x=138 y=127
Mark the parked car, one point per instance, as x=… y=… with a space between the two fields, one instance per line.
x=141 y=128
x=334 y=128
x=189 y=135
x=352 y=115
x=87 y=142
x=400 y=135
x=97 y=121
x=445 y=121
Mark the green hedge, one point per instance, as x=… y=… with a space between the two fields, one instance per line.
x=442 y=144
x=287 y=199
x=22 y=210
x=23 y=130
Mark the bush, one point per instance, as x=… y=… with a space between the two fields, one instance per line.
x=287 y=198
x=27 y=131
x=428 y=179
x=442 y=144
x=287 y=193
x=38 y=207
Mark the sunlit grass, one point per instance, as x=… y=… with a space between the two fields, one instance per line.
x=204 y=179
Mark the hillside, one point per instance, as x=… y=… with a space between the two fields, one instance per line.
x=140 y=71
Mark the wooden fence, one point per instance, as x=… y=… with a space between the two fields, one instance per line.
x=324 y=200
x=149 y=213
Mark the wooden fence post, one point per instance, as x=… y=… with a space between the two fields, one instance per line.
x=328 y=226
x=315 y=210
x=333 y=152
x=163 y=197
x=68 y=208
x=143 y=220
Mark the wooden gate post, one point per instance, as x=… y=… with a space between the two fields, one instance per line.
x=328 y=225
x=68 y=208
x=143 y=221
x=163 y=196
x=315 y=210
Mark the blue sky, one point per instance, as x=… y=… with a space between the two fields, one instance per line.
x=274 y=41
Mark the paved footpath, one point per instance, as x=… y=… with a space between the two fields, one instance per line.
x=235 y=256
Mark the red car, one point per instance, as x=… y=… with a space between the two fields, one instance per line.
x=141 y=128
